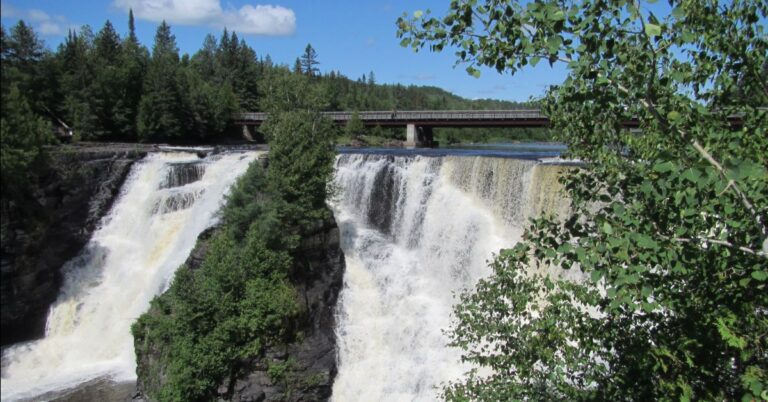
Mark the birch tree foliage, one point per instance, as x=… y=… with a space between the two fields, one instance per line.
x=669 y=223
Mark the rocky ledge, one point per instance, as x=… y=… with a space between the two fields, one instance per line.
x=310 y=363
x=66 y=205
x=307 y=367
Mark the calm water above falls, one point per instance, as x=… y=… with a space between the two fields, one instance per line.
x=416 y=228
x=517 y=150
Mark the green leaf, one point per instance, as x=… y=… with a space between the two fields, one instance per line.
x=652 y=30
x=760 y=275
x=645 y=241
x=417 y=14
x=473 y=72
x=673 y=116
x=607 y=228
x=744 y=282
x=692 y=175
x=664 y=167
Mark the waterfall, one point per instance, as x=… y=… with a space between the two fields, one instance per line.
x=168 y=199
x=416 y=230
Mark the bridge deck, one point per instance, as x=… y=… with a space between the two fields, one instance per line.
x=426 y=118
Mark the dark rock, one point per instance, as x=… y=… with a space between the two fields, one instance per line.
x=61 y=212
x=311 y=359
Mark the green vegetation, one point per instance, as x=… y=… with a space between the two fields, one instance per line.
x=354 y=128
x=217 y=319
x=450 y=136
x=22 y=132
x=22 y=136
x=668 y=225
x=109 y=88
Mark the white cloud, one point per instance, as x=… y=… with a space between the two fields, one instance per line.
x=38 y=15
x=261 y=20
x=41 y=22
x=249 y=19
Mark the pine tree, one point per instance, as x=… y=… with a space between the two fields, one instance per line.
x=132 y=27
x=106 y=88
x=76 y=63
x=22 y=136
x=308 y=61
x=205 y=59
x=22 y=53
x=161 y=111
x=297 y=69
x=107 y=44
x=133 y=62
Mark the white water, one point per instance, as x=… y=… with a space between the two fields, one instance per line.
x=415 y=230
x=150 y=231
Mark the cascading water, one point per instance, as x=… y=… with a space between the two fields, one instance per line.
x=166 y=202
x=415 y=230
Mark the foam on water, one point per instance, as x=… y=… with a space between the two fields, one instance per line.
x=416 y=230
x=168 y=199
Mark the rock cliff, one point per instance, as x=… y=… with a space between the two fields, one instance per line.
x=75 y=191
x=305 y=369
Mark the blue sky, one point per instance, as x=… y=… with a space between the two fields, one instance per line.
x=354 y=37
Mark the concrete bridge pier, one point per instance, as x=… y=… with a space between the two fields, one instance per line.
x=418 y=136
x=248 y=133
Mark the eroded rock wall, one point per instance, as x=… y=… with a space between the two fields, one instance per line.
x=76 y=190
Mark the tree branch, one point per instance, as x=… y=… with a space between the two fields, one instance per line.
x=708 y=157
x=720 y=243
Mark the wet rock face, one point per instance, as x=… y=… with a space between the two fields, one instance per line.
x=307 y=367
x=309 y=364
x=73 y=195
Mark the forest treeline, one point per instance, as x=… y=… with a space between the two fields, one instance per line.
x=109 y=87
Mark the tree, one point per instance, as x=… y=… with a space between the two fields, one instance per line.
x=133 y=62
x=162 y=113
x=205 y=60
x=132 y=27
x=106 y=88
x=668 y=225
x=354 y=127
x=77 y=71
x=308 y=61
x=23 y=53
x=297 y=66
x=22 y=136
x=211 y=105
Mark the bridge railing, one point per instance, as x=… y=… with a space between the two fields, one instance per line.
x=415 y=115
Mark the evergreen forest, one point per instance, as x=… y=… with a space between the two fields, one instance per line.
x=104 y=86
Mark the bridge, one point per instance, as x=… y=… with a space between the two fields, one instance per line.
x=419 y=123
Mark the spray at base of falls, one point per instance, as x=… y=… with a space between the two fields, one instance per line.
x=415 y=231
x=166 y=202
